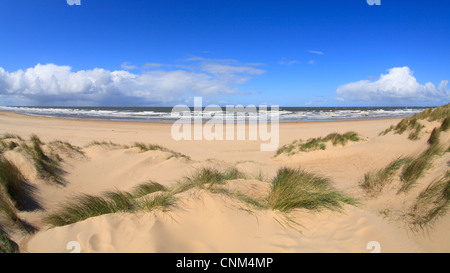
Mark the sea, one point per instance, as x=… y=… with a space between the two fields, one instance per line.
x=165 y=115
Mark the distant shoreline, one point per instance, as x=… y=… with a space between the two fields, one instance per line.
x=171 y=122
x=163 y=114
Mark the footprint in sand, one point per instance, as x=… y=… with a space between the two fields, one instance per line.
x=100 y=242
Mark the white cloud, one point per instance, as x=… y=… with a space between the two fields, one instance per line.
x=128 y=66
x=316 y=52
x=397 y=86
x=151 y=65
x=51 y=84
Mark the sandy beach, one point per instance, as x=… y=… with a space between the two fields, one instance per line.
x=205 y=220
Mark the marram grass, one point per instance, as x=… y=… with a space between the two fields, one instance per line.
x=155 y=147
x=319 y=143
x=434 y=137
x=85 y=206
x=207 y=178
x=291 y=189
x=445 y=124
x=432 y=203
x=6 y=244
x=413 y=125
x=415 y=169
x=294 y=188
x=47 y=166
x=11 y=180
x=374 y=182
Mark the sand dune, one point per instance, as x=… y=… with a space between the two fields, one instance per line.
x=208 y=221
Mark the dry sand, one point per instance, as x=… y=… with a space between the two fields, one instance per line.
x=206 y=222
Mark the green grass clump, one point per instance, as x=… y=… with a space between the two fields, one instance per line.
x=105 y=143
x=7 y=209
x=207 y=178
x=148 y=147
x=232 y=173
x=155 y=147
x=374 y=182
x=314 y=144
x=78 y=209
x=342 y=139
x=412 y=123
x=293 y=188
x=11 y=180
x=48 y=168
x=432 y=203
x=9 y=213
x=432 y=114
x=434 y=137
x=162 y=201
x=11 y=136
x=415 y=131
x=7 y=145
x=65 y=146
x=84 y=206
x=414 y=169
x=288 y=148
x=445 y=124
x=147 y=188
x=6 y=244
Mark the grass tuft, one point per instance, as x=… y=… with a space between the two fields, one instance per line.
x=65 y=146
x=414 y=169
x=434 y=137
x=11 y=180
x=11 y=136
x=158 y=200
x=85 y=206
x=293 y=188
x=412 y=123
x=155 y=147
x=104 y=143
x=445 y=124
x=48 y=168
x=314 y=144
x=147 y=188
x=6 y=244
x=432 y=203
x=207 y=178
x=374 y=182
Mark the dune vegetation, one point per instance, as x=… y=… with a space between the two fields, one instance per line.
x=374 y=182
x=433 y=200
x=155 y=147
x=295 y=188
x=84 y=206
x=414 y=127
x=290 y=189
x=415 y=178
x=15 y=196
x=319 y=143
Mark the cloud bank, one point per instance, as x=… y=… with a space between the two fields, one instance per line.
x=398 y=86
x=51 y=84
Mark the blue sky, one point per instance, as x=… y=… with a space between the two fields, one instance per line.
x=165 y=52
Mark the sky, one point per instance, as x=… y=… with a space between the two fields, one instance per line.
x=166 y=52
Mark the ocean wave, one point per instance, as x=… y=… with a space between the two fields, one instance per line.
x=163 y=114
